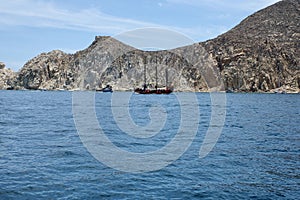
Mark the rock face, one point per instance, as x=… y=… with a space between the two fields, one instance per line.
x=46 y=71
x=261 y=54
x=6 y=77
x=2 y=65
x=108 y=61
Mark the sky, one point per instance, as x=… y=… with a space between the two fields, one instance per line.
x=31 y=27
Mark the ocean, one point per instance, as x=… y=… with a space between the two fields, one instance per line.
x=44 y=153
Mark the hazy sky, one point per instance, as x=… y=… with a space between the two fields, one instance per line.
x=30 y=27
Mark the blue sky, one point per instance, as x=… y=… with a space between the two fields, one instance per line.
x=30 y=27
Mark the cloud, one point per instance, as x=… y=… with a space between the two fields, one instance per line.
x=44 y=14
x=38 y=13
x=220 y=15
x=226 y=4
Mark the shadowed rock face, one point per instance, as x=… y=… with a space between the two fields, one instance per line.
x=260 y=54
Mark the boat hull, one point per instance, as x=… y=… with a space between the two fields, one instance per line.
x=148 y=91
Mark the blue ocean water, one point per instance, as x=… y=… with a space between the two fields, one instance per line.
x=257 y=155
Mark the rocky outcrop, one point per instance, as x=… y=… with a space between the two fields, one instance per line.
x=6 y=77
x=108 y=61
x=261 y=54
x=46 y=71
x=2 y=65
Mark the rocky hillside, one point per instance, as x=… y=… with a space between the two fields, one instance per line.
x=261 y=54
x=108 y=61
x=46 y=71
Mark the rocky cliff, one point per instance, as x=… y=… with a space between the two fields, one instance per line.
x=108 y=61
x=6 y=77
x=261 y=54
x=45 y=71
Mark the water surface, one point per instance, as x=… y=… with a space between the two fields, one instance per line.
x=257 y=156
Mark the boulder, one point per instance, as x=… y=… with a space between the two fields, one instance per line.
x=2 y=65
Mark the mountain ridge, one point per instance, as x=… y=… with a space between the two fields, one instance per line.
x=260 y=54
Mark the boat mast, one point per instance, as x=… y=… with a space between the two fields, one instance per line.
x=166 y=78
x=156 y=77
x=156 y=86
x=145 y=85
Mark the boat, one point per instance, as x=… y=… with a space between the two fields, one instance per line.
x=156 y=90
x=279 y=91
x=108 y=88
x=229 y=91
x=153 y=91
